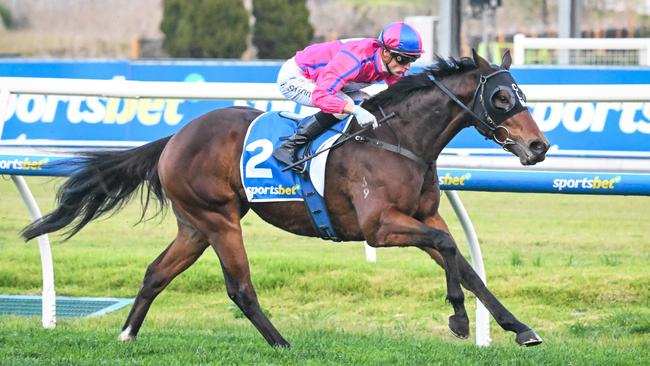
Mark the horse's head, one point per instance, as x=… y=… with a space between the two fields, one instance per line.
x=504 y=117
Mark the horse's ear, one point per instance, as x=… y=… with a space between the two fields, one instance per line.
x=481 y=63
x=506 y=60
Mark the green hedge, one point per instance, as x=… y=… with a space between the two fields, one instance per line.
x=205 y=28
x=5 y=16
x=281 y=27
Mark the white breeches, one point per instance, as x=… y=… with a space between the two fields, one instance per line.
x=296 y=87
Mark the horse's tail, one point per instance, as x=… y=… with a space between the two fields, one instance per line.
x=104 y=181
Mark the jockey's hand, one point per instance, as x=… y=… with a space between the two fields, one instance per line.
x=364 y=118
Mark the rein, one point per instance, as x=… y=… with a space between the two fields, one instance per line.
x=339 y=142
x=398 y=149
x=488 y=123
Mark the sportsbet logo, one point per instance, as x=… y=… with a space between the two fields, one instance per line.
x=31 y=108
x=275 y=190
x=23 y=164
x=586 y=183
x=454 y=180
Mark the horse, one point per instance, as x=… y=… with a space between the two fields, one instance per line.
x=387 y=197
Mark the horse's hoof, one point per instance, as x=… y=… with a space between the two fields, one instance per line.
x=528 y=338
x=459 y=326
x=281 y=344
x=125 y=338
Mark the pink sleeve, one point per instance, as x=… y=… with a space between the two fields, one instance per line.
x=343 y=67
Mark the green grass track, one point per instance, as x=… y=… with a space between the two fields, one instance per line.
x=574 y=268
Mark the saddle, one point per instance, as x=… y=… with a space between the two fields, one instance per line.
x=262 y=175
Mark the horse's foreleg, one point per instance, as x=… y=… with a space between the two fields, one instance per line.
x=179 y=255
x=472 y=282
x=398 y=229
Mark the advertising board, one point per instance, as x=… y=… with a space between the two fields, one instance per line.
x=619 y=129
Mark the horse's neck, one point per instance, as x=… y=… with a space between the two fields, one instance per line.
x=435 y=119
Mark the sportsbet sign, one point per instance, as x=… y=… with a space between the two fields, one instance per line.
x=544 y=182
x=592 y=129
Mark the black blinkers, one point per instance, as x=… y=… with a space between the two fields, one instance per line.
x=489 y=105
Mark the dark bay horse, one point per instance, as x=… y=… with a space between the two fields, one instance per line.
x=372 y=194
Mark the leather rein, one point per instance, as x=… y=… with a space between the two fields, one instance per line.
x=486 y=123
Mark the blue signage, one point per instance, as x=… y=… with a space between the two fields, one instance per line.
x=39 y=165
x=98 y=121
x=600 y=183
x=544 y=181
x=575 y=129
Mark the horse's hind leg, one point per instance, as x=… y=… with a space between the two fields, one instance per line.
x=183 y=251
x=224 y=233
x=472 y=282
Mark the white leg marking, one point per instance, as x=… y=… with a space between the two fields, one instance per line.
x=126 y=335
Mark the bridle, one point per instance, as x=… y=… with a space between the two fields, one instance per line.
x=488 y=118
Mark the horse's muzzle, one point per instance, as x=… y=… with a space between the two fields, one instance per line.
x=535 y=152
x=529 y=153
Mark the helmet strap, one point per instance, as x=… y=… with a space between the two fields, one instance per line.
x=389 y=60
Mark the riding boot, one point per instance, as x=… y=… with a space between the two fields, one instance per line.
x=308 y=129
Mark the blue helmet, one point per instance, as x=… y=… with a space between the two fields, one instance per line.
x=401 y=38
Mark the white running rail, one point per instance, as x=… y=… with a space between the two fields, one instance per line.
x=640 y=46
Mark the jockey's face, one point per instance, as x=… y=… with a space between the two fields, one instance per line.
x=395 y=63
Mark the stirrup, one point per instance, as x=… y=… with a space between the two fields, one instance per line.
x=300 y=168
x=284 y=156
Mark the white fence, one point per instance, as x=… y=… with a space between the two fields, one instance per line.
x=266 y=91
x=591 y=51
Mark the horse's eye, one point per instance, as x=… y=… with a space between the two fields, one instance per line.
x=503 y=100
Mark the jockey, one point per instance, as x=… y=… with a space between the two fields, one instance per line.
x=330 y=75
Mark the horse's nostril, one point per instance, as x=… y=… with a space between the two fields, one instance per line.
x=538 y=147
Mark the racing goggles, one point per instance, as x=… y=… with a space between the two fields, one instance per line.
x=403 y=59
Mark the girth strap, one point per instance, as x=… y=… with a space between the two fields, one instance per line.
x=392 y=148
x=315 y=204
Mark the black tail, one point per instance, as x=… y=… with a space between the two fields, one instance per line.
x=104 y=181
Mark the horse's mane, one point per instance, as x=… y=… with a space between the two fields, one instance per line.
x=412 y=83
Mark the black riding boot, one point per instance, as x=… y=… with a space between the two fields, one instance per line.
x=308 y=129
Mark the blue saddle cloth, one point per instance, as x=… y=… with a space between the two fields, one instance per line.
x=262 y=175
